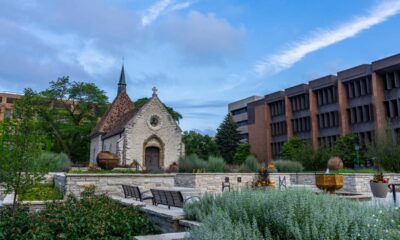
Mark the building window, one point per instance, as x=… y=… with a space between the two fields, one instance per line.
x=301 y=124
x=391 y=80
x=1 y=99
x=276 y=149
x=392 y=108
x=277 y=108
x=300 y=102
x=328 y=141
x=326 y=96
x=278 y=128
x=359 y=87
x=241 y=123
x=244 y=136
x=239 y=111
x=328 y=120
x=8 y=114
x=10 y=100
x=360 y=114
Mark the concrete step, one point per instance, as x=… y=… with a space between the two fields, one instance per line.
x=165 y=236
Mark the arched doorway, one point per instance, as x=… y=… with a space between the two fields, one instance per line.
x=152 y=159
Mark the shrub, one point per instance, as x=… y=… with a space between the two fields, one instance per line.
x=241 y=153
x=41 y=192
x=215 y=164
x=319 y=160
x=202 y=145
x=345 y=149
x=55 y=162
x=92 y=217
x=191 y=163
x=287 y=166
x=297 y=149
x=251 y=164
x=291 y=214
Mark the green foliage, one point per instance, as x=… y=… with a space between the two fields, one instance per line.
x=290 y=214
x=287 y=166
x=345 y=149
x=319 y=160
x=202 y=145
x=55 y=162
x=215 y=164
x=385 y=152
x=300 y=150
x=103 y=171
x=242 y=151
x=251 y=164
x=191 y=163
x=227 y=139
x=92 y=217
x=350 y=170
x=67 y=112
x=41 y=192
x=21 y=143
x=174 y=114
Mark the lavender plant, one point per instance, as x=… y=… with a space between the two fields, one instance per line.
x=292 y=214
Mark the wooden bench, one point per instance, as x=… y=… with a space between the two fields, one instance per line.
x=169 y=198
x=134 y=192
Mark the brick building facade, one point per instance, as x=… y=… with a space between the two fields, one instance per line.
x=358 y=100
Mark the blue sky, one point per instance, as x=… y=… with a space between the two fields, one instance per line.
x=201 y=54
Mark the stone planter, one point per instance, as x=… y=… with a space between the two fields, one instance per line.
x=379 y=189
x=329 y=182
x=107 y=160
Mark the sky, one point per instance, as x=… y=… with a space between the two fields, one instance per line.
x=200 y=54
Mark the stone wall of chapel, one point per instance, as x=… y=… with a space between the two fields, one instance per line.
x=95 y=148
x=138 y=131
x=111 y=144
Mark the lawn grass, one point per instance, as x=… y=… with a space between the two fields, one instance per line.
x=41 y=192
x=350 y=170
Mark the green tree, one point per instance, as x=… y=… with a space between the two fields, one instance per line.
x=384 y=151
x=174 y=114
x=201 y=145
x=297 y=149
x=68 y=111
x=345 y=149
x=242 y=152
x=21 y=142
x=227 y=139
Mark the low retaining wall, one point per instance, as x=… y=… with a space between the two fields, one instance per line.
x=203 y=182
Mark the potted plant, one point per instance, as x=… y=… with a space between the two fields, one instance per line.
x=379 y=185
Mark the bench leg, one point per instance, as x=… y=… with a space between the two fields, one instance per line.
x=394 y=193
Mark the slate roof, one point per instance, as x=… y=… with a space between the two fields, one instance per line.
x=117 y=115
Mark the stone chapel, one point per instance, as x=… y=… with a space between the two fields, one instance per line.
x=146 y=135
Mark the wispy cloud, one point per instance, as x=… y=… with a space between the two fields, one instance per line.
x=154 y=11
x=161 y=6
x=320 y=39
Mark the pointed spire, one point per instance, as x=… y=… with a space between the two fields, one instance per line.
x=122 y=82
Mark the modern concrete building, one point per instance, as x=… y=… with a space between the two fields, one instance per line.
x=238 y=111
x=358 y=100
x=7 y=100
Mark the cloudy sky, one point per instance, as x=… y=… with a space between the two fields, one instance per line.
x=201 y=54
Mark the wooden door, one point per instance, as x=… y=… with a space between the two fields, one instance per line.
x=152 y=159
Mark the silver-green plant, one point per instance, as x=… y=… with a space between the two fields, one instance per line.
x=288 y=166
x=292 y=214
x=215 y=164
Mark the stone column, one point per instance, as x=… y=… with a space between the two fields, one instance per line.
x=342 y=104
x=289 y=116
x=314 y=119
x=377 y=99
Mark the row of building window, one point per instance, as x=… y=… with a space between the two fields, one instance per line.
x=278 y=128
x=328 y=119
x=241 y=123
x=276 y=149
x=361 y=114
x=239 y=111
x=244 y=137
x=300 y=102
x=328 y=141
x=302 y=124
x=392 y=108
x=359 y=87
x=9 y=100
x=392 y=80
x=277 y=108
x=326 y=96
x=365 y=138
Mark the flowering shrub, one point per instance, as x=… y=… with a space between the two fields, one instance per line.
x=291 y=214
x=264 y=183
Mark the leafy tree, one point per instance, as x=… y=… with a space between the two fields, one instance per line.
x=68 y=111
x=201 y=145
x=242 y=152
x=297 y=149
x=175 y=115
x=227 y=139
x=21 y=142
x=384 y=151
x=345 y=149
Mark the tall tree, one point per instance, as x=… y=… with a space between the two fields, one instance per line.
x=68 y=112
x=21 y=142
x=227 y=139
x=201 y=145
x=174 y=114
x=345 y=149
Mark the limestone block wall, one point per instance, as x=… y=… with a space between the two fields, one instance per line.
x=60 y=181
x=111 y=183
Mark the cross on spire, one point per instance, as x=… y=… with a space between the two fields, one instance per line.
x=154 y=89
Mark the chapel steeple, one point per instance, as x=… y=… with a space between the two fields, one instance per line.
x=122 y=82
